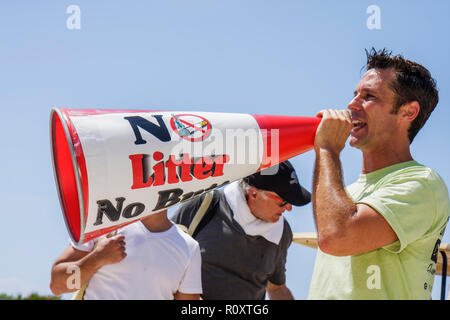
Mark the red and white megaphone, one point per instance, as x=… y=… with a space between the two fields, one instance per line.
x=114 y=167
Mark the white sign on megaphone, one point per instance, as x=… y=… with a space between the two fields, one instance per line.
x=114 y=167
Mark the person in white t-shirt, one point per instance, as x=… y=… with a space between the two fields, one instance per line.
x=150 y=259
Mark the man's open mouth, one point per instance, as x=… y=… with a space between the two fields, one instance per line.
x=358 y=125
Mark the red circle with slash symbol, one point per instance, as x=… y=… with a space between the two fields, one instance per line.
x=190 y=127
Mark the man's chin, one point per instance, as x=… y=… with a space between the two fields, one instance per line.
x=354 y=142
x=277 y=218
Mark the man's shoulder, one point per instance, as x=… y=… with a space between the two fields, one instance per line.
x=433 y=177
x=416 y=170
x=287 y=226
x=411 y=171
x=287 y=232
x=187 y=210
x=185 y=237
x=422 y=174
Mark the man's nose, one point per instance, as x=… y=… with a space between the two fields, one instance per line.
x=288 y=207
x=354 y=104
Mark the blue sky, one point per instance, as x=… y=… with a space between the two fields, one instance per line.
x=257 y=57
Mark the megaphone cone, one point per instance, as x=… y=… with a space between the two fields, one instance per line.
x=293 y=135
x=114 y=167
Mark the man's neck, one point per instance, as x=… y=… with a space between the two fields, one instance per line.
x=386 y=157
x=157 y=222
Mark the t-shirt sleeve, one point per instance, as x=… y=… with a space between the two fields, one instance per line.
x=407 y=203
x=192 y=280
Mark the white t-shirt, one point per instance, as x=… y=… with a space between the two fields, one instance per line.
x=157 y=265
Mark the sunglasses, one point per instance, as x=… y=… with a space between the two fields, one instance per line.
x=277 y=198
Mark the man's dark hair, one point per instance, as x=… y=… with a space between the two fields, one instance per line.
x=413 y=82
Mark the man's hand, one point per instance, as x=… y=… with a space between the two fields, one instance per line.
x=278 y=292
x=333 y=130
x=110 y=250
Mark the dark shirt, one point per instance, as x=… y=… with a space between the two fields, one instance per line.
x=235 y=265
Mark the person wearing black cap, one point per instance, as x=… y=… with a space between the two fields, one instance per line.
x=244 y=238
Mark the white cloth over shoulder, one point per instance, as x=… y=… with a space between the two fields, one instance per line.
x=157 y=265
x=253 y=226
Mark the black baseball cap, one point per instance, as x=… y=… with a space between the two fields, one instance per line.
x=283 y=182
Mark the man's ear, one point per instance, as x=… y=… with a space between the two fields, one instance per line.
x=252 y=193
x=409 y=111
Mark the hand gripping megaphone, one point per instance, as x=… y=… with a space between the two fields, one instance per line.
x=114 y=167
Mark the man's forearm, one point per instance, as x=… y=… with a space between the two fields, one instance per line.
x=71 y=276
x=331 y=204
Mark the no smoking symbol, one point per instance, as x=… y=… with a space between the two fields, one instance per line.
x=190 y=127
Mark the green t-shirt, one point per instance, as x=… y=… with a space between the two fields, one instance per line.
x=414 y=201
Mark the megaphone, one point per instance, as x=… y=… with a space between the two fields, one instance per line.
x=114 y=167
